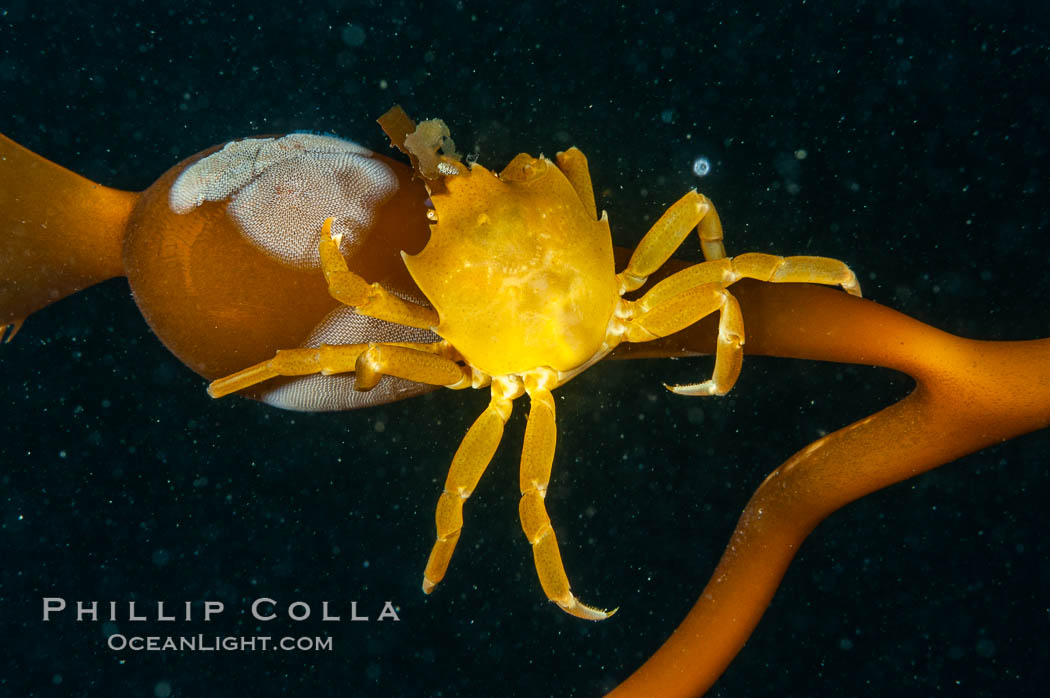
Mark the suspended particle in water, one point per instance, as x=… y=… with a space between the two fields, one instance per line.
x=701 y=166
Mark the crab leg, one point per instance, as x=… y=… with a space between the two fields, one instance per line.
x=710 y=232
x=423 y=363
x=697 y=291
x=729 y=353
x=537 y=457
x=812 y=270
x=763 y=267
x=694 y=209
x=666 y=235
x=669 y=315
x=367 y=299
x=472 y=457
x=410 y=363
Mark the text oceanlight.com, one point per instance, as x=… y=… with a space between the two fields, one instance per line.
x=216 y=643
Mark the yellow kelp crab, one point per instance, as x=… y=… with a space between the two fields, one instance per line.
x=523 y=295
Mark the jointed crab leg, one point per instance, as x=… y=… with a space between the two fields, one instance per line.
x=710 y=231
x=367 y=299
x=683 y=298
x=763 y=267
x=423 y=363
x=729 y=353
x=410 y=363
x=537 y=457
x=670 y=315
x=694 y=209
x=664 y=238
x=792 y=270
x=472 y=457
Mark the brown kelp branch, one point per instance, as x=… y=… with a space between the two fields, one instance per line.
x=969 y=394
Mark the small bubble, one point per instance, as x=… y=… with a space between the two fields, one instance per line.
x=701 y=166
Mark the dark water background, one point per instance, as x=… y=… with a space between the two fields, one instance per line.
x=926 y=168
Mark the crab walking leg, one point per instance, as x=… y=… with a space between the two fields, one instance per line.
x=779 y=270
x=409 y=363
x=710 y=232
x=669 y=315
x=763 y=267
x=327 y=359
x=666 y=236
x=694 y=292
x=573 y=163
x=537 y=457
x=367 y=299
x=729 y=354
x=468 y=465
